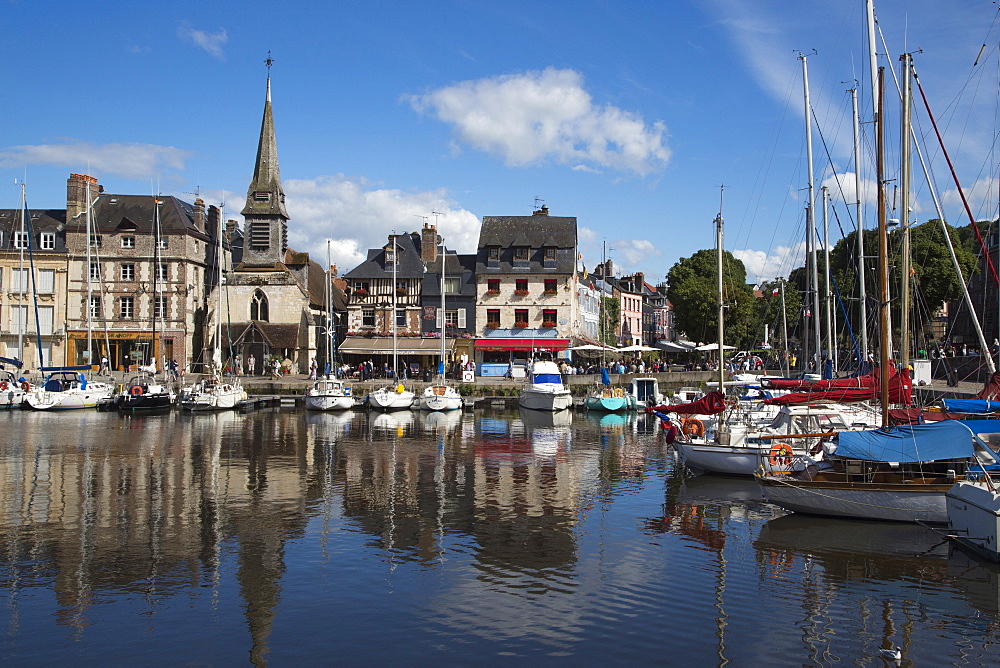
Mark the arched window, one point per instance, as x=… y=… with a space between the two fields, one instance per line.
x=258 y=306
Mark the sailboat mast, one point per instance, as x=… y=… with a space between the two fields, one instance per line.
x=23 y=320
x=90 y=276
x=156 y=279
x=722 y=436
x=217 y=353
x=885 y=352
x=863 y=306
x=444 y=315
x=904 y=214
x=328 y=293
x=395 y=250
x=831 y=347
x=811 y=220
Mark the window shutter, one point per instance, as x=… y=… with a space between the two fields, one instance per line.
x=461 y=318
x=439 y=320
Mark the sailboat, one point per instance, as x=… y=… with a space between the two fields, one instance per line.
x=144 y=391
x=395 y=396
x=440 y=396
x=329 y=393
x=12 y=388
x=66 y=387
x=211 y=392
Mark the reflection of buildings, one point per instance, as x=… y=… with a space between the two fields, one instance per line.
x=149 y=506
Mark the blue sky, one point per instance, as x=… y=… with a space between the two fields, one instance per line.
x=627 y=115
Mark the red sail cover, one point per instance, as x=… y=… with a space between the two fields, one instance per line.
x=868 y=380
x=990 y=391
x=900 y=392
x=710 y=404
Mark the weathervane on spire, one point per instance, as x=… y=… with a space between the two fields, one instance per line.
x=269 y=61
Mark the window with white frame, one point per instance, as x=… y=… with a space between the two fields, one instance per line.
x=451 y=285
x=127 y=271
x=126 y=308
x=368 y=317
x=400 y=318
x=20 y=239
x=160 y=308
x=161 y=271
x=161 y=243
x=47 y=241
x=46 y=281
x=94 y=310
x=95 y=240
x=95 y=271
x=128 y=241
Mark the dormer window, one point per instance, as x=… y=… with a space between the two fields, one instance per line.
x=493 y=253
x=520 y=253
x=550 y=254
x=390 y=256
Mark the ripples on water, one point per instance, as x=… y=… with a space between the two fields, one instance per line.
x=486 y=538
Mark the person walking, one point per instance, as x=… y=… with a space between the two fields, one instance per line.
x=105 y=366
x=251 y=365
x=312 y=369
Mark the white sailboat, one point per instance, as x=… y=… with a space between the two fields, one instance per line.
x=441 y=396
x=329 y=393
x=210 y=392
x=65 y=388
x=395 y=396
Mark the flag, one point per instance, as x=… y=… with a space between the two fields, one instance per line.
x=809 y=313
x=774 y=293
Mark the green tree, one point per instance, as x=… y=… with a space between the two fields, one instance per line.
x=610 y=319
x=692 y=292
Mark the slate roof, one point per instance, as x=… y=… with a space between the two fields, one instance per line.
x=48 y=220
x=409 y=263
x=135 y=212
x=535 y=232
x=266 y=176
x=278 y=336
x=456 y=266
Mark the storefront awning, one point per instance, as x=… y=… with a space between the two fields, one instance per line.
x=382 y=345
x=522 y=344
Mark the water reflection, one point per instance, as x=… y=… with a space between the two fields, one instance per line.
x=504 y=533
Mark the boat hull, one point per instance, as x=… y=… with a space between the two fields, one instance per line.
x=537 y=400
x=974 y=516
x=329 y=402
x=897 y=503
x=611 y=404
x=436 y=403
x=42 y=400
x=221 y=398
x=390 y=400
x=150 y=401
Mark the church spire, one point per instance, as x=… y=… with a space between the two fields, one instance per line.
x=265 y=196
x=266 y=220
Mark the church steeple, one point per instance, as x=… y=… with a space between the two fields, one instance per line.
x=265 y=214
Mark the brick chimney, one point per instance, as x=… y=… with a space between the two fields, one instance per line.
x=544 y=211
x=76 y=194
x=231 y=228
x=199 y=214
x=429 y=241
x=640 y=281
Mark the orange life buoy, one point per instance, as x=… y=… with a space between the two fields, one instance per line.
x=693 y=427
x=26 y=386
x=3 y=386
x=136 y=390
x=780 y=454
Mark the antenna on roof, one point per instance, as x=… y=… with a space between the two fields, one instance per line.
x=436 y=214
x=538 y=200
x=196 y=193
x=423 y=218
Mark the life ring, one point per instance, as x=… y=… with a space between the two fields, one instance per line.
x=780 y=454
x=693 y=427
x=619 y=393
x=135 y=390
x=25 y=386
x=3 y=386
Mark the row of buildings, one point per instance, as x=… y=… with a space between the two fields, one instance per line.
x=133 y=277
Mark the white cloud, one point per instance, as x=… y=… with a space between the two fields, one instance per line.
x=212 y=43
x=766 y=266
x=536 y=117
x=131 y=161
x=357 y=216
x=982 y=198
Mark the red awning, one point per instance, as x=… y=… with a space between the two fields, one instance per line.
x=522 y=344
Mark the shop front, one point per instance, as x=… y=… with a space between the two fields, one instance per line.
x=495 y=356
x=124 y=349
x=415 y=356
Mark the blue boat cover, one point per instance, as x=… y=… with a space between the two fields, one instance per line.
x=947 y=439
x=605 y=378
x=971 y=405
x=55 y=369
x=13 y=362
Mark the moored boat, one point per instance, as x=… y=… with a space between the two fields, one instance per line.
x=209 y=393
x=67 y=389
x=440 y=397
x=327 y=394
x=143 y=392
x=545 y=391
x=974 y=514
x=899 y=474
x=390 y=398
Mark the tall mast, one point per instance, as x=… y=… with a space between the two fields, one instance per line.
x=831 y=348
x=444 y=314
x=217 y=353
x=90 y=321
x=156 y=277
x=861 y=229
x=722 y=436
x=23 y=320
x=811 y=220
x=328 y=293
x=904 y=215
x=395 y=261
x=885 y=352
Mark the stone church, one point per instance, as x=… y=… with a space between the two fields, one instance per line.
x=272 y=297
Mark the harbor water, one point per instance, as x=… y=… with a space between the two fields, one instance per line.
x=477 y=537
